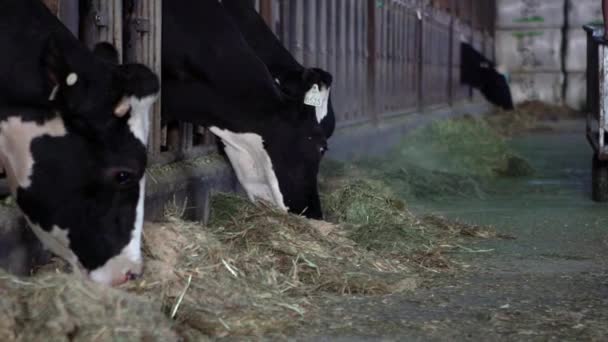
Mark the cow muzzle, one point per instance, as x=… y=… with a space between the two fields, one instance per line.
x=117 y=271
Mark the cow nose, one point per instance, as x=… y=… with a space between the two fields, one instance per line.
x=125 y=278
x=131 y=276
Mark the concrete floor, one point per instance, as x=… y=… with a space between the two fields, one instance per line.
x=551 y=283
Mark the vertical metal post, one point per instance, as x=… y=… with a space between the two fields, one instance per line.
x=69 y=15
x=144 y=20
x=103 y=23
x=371 y=60
x=450 y=56
x=420 y=27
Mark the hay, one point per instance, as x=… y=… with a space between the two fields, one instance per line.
x=531 y=115
x=444 y=160
x=60 y=307
x=315 y=256
x=378 y=221
x=252 y=271
x=466 y=147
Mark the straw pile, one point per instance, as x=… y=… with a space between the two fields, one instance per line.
x=60 y=307
x=253 y=271
x=531 y=115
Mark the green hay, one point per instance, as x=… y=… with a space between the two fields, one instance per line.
x=444 y=160
x=466 y=147
x=379 y=221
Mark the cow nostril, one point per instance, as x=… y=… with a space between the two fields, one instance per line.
x=131 y=276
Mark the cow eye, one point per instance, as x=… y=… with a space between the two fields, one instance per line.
x=123 y=178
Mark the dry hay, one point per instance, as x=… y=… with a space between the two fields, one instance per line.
x=255 y=270
x=530 y=116
x=60 y=307
x=252 y=271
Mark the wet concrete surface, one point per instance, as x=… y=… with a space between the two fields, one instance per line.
x=550 y=283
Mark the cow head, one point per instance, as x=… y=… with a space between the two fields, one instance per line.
x=279 y=163
x=76 y=167
x=311 y=86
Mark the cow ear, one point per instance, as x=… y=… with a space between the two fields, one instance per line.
x=55 y=64
x=139 y=81
x=106 y=52
x=317 y=76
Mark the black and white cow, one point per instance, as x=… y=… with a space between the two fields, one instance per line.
x=73 y=131
x=480 y=72
x=212 y=77
x=293 y=77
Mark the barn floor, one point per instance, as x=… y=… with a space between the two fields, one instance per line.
x=549 y=283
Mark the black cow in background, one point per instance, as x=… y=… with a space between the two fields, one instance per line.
x=479 y=72
x=293 y=78
x=73 y=131
x=212 y=77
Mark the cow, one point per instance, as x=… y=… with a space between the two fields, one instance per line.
x=479 y=72
x=73 y=132
x=292 y=76
x=213 y=78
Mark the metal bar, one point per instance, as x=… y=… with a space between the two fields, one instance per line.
x=321 y=35
x=100 y=24
x=331 y=39
x=296 y=18
x=285 y=23
x=341 y=55
x=419 y=48
x=69 y=15
x=371 y=60
x=144 y=23
x=350 y=55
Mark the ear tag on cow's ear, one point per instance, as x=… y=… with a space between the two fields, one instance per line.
x=71 y=79
x=314 y=97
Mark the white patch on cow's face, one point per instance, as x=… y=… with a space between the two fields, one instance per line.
x=252 y=165
x=139 y=122
x=57 y=241
x=16 y=137
x=129 y=262
x=318 y=97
